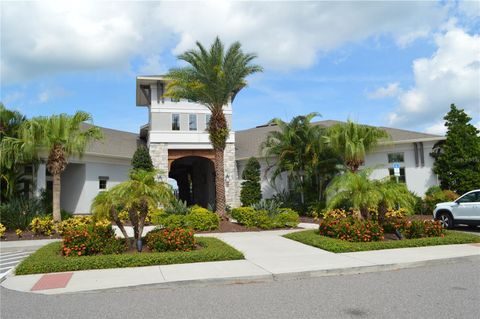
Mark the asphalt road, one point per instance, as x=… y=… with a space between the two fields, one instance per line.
x=443 y=291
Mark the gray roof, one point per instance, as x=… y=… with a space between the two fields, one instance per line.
x=115 y=143
x=248 y=142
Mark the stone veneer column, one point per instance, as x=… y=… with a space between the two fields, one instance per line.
x=159 y=155
x=232 y=190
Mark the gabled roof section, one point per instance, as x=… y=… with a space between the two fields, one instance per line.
x=248 y=142
x=115 y=143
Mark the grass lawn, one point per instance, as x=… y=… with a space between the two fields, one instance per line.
x=48 y=258
x=312 y=238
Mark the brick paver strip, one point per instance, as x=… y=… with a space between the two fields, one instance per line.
x=52 y=281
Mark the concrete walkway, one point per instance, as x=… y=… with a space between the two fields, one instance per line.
x=268 y=257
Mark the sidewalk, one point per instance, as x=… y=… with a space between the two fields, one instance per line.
x=268 y=257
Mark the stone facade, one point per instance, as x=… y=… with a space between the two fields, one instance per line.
x=159 y=155
x=232 y=189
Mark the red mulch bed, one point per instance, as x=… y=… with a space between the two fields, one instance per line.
x=10 y=235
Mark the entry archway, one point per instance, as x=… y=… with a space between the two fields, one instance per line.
x=195 y=176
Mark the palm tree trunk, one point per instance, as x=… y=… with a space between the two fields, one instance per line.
x=57 y=217
x=118 y=222
x=220 y=183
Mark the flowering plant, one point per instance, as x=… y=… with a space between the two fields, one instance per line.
x=176 y=239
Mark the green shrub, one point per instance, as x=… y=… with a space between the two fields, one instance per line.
x=351 y=229
x=42 y=225
x=141 y=159
x=92 y=239
x=19 y=212
x=287 y=217
x=172 y=221
x=177 y=239
x=200 y=218
x=435 y=195
x=272 y=207
x=262 y=220
x=244 y=215
x=422 y=228
x=155 y=216
x=251 y=191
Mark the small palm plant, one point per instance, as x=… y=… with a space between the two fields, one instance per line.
x=56 y=136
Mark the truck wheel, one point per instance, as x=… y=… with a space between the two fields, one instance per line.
x=446 y=220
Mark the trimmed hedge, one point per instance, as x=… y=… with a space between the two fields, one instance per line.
x=249 y=217
x=313 y=238
x=48 y=258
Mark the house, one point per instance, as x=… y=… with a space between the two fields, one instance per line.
x=180 y=148
x=408 y=148
x=106 y=162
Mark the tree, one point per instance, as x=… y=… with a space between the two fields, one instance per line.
x=251 y=192
x=353 y=141
x=458 y=162
x=142 y=160
x=353 y=190
x=141 y=193
x=289 y=149
x=10 y=176
x=393 y=195
x=213 y=78
x=58 y=136
x=106 y=205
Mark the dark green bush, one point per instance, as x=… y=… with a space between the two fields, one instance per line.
x=287 y=217
x=435 y=195
x=19 y=212
x=142 y=160
x=200 y=218
x=177 y=239
x=251 y=191
x=249 y=217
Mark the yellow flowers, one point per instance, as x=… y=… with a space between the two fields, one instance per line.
x=42 y=226
x=3 y=229
x=19 y=233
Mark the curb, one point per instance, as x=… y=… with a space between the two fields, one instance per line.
x=281 y=277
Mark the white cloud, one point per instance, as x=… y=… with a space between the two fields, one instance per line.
x=450 y=75
x=438 y=128
x=50 y=93
x=391 y=90
x=12 y=97
x=41 y=38
x=152 y=66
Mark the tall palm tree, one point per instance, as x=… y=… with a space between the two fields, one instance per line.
x=137 y=195
x=9 y=122
x=353 y=141
x=291 y=149
x=213 y=78
x=57 y=136
x=355 y=190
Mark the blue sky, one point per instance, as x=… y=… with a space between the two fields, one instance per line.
x=381 y=63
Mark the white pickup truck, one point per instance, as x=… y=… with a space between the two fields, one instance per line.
x=465 y=210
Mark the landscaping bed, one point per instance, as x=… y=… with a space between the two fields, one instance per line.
x=10 y=235
x=49 y=258
x=313 y=238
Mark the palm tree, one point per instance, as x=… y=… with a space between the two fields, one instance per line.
x=353 y=141
x=292 y=149
x=137 y=195
x=213 y=78
x=354 y=190
x=57 y=136
x=10 y=176
x=105 y=205
x=393 y=195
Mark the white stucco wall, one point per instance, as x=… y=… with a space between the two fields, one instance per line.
x=418 y=179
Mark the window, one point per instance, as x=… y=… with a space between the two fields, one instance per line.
x=470 y=198
x=208 y=117
x=102 y=182
x=175 y=122
x=395 y=157
x=192 y=122
x=401 y=178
